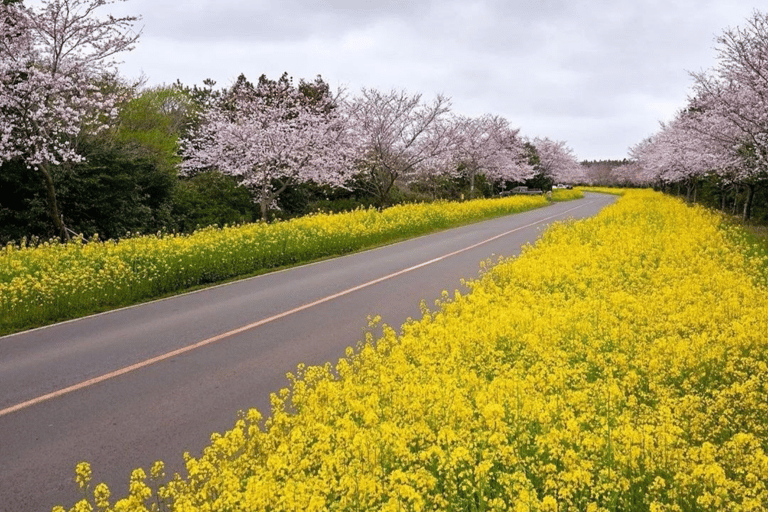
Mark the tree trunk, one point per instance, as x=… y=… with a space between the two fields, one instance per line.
x=723 y=195
x=748 y=201
x=53 y=205
x=268 y=195
x=264 y=200
x=385 y=191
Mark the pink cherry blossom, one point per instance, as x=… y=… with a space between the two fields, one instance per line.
x=271 y=139
x=558 y=161
x=398 y=138
x=50 y=60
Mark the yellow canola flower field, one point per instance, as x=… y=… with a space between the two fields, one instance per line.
x=604 y=190
x=566 y=194
x=53 y=281
x=617 y=365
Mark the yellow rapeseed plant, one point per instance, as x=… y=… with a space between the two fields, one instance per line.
x=619 y=191
x=619 y=364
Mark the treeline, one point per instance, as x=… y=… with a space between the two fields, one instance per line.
x=130 y=180
x=84 y=151
x=606 y=173
x=715 y=150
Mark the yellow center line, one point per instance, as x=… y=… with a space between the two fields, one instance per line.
x=208 y=341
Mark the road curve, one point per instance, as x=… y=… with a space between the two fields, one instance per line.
x=125 y=388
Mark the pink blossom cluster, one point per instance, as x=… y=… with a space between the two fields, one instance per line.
x=723 y=131
x=558 y=161
x=271 y=139
x=488 y=145
x=49 y=60
x=399 y=136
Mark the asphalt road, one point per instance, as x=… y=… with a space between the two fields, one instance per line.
x=125 y=388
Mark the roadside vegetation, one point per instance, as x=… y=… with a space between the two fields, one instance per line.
x=751 y=235
x=52 y=281
x=619 y=191
x=565 y=194
x=619 y=364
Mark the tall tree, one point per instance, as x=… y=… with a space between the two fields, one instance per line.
x=398 y=137
x=50 y=60
x=730 y=100
x=271 y=136
x=125 y=182
x=487 y=145
x=151 y=123
x=557 y=162
x=679 y=154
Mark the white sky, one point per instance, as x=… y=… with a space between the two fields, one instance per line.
x=599 y=74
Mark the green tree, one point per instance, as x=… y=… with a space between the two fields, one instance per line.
x=125 y=182
x=151 y=123
x=541 y=179
x=211 y=198
x=118 y=189
x=23 y=205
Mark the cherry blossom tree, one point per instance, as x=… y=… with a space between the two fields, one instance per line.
x=631 y=173
x=398 y=137
x=51 y=59
x=271 y=136
x=642 y=160
x=679 y=154
x=731 y=100
x=487 y=145
x=722 y=135
x=557 y=161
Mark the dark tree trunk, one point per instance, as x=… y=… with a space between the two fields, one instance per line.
x=268 y=196
x=384 y=198
x=472 y=174
x=385 y=184
x=748 y=201
x=53 y=205
x=723 y=194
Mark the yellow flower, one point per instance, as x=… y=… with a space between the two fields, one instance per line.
x=83 y=474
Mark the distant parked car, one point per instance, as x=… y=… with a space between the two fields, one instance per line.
x=523 y=191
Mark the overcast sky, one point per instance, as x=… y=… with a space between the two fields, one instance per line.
x=599 y=74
